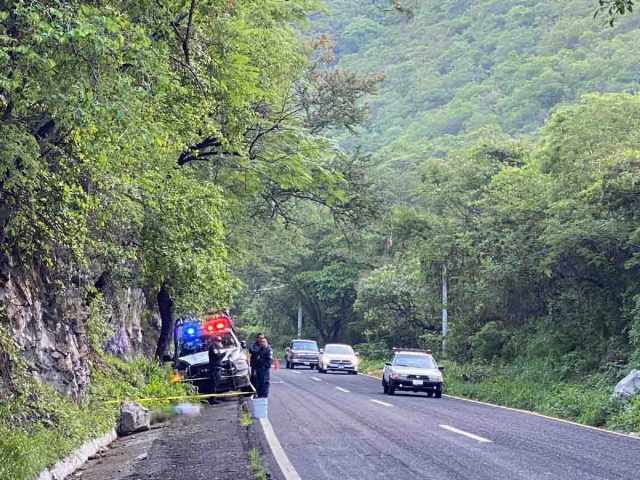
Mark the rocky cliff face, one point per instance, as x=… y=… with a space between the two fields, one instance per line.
x=48 y=319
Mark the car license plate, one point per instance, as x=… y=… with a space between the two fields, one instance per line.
x=418 y=382
x=341 y=366
x=305 y=363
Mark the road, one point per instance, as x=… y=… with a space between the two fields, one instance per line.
x=338 y=426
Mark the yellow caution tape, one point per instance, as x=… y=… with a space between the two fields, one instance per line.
x=181 y=397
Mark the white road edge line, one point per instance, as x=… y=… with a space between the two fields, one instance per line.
x=529 y=412
x=342 y=389
x=466 y=434
x=285 y=465
x=316 y=379
x=297 y=373
x=382 y=403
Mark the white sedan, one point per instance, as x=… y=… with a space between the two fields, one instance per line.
x=338 y=357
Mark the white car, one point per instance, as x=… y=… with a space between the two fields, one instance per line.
x=338 y=357
x=412 y=370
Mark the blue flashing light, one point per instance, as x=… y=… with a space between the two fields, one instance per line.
x=191 y=331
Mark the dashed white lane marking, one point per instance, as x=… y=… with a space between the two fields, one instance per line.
x=466 y=434
x=297 y=373
x=316 y=379
x=285 y=465
x=342 y=389
x=528 y=412
x=382 y=403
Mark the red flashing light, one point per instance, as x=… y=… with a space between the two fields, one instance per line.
x=215 y=325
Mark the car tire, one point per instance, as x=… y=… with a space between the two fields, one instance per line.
x=438 y=393
x=353 y=373
x=391 y=390
x=385 y=388
x=429 y=393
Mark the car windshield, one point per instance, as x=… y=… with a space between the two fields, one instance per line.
x=415 y=361
x=339 y=349
x=190 y=345
x=311 y=346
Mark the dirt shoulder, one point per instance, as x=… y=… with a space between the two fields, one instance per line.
x=213 y=445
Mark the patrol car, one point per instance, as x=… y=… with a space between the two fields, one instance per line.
x=192 y=339
x=412 y=370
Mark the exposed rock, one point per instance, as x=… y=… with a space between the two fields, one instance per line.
x=133 y=418
x=628 y=386
x=49 y=322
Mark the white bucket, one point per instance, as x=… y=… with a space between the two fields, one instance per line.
x=259 y=408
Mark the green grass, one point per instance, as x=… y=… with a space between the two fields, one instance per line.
x=245 y=416
x=539 y=387
x=41 y=426
x=255 y=463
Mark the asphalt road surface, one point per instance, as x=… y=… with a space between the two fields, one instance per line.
x=340 y=427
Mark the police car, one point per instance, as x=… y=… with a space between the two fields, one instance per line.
x=192 y=339
x=412 y=370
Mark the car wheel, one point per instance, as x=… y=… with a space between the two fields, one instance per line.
x=353 y=373
x=385 y=388
x=438 y=393
x=391 y=390
x=429 y=393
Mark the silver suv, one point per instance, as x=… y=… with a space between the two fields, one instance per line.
x=414 y=371
x=302 y=352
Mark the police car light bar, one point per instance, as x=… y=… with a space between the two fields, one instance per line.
x=399 y=349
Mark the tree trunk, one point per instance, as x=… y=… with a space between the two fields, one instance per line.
x=165 y=305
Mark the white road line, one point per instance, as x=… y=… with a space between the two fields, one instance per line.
x=285 y=465
x=382 y=403
x=342 y=389
x=297 y=373
x=528 y=412
x=316 y=379
x=466 y=434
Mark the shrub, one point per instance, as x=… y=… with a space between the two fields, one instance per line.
x=40 y=426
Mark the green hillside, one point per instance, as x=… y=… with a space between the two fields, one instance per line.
x=462 y=65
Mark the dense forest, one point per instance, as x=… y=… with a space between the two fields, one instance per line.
x=501 y=148
x=168 y=158
x=503 y=153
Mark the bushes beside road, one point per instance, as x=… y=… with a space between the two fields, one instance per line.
x=540 y=386
x=40 y=426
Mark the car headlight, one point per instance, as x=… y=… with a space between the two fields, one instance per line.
x=396 y=375
x=438 y=377
x=242 y=365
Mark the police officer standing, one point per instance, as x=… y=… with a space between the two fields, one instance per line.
x=262 y=365
x=215 y=366
x=253 y=350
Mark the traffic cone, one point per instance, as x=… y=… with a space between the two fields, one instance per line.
x=277 y=364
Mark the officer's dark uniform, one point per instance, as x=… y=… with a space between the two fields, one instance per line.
x=215 y=369
x=262 y=365
x=253 y=352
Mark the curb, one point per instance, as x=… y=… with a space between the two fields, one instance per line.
x=68 y=465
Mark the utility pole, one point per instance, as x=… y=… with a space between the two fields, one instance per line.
x=444 y=309
x=299 y=318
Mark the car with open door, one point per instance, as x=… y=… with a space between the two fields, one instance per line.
x=412 y=370
x=190 y=358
